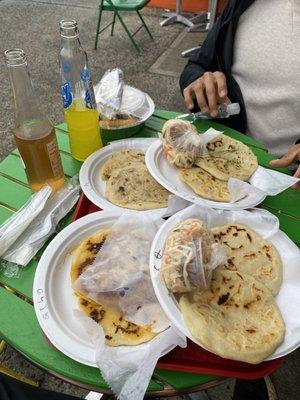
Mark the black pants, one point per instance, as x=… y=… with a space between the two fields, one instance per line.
x=10 y=389
x=250 y=390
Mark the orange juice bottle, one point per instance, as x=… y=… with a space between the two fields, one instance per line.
x=78 y=96
x=34 y=133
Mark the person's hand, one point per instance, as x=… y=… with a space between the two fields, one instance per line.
x=209 y=90
x=291 y=156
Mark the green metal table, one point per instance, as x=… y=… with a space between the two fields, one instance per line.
x=19 y=326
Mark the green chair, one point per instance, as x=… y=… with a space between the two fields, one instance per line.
x=116 y=6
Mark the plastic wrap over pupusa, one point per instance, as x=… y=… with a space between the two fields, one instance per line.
x=119 y=277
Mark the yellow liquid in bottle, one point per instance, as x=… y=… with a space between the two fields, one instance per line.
x=42 y=160
x=84 y=130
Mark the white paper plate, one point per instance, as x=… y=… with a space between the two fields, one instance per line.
x=288 y=298
x=53 y=296
x=54 y=301
x=90 y=179
x=168 y=177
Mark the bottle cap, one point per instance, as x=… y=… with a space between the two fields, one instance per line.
x=233 y=108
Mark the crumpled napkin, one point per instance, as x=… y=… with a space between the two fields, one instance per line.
x=264 y=181
x=128 y=369
x=271 y=182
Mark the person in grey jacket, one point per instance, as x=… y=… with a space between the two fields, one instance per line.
x=252 y=56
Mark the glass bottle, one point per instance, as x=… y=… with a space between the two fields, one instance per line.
x=34 y=133
x=77 y=92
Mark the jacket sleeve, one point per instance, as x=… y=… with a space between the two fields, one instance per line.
x=205 y=59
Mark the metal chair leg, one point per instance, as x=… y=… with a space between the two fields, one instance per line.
x=98 y=24
x=11 y=373
x=144 y=23
x=2 y=346
x=17 y=376
x=113 y=25
x=128 y=33
x=200 y=17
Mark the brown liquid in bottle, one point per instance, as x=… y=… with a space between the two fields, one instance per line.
x=42 y=160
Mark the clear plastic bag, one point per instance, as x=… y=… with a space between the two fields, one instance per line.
x=118 y=101
x=190 y=256
x=134 y=103
x=183 y=144
x=119 y=277
x=224 y=111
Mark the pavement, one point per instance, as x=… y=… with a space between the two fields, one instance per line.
x=33 y=26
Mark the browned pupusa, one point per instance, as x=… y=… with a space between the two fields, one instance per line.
x=120 y=159
x=204 y=184
x=236 y=318
x=118 y=331
x=133 y=187
x=228 y=158
x=250 y=254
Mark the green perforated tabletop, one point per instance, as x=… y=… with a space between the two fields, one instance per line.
x=19 y=326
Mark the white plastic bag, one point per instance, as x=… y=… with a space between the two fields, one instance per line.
x=134 y=103
x=115 y=100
